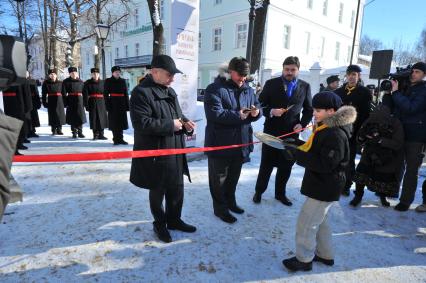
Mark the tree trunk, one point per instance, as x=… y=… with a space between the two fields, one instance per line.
x=157 y=27
x=258 y=35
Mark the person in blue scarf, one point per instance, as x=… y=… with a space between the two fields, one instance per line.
x=276 y=97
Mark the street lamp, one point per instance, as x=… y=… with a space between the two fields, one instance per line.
x=102 y=33
x=254 y=4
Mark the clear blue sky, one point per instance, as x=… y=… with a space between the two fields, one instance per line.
x=387 y=20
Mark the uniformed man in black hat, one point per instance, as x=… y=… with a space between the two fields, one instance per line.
x=52 y=99
x=93 y=95
x=73 y=91
x=36 y=101
x=117 y=102
x=354 y=94
x=332 y=83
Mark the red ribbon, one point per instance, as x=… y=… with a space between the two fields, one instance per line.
x=93 y=156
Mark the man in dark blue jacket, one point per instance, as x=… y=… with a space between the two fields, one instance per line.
x=230 y=106
x=410 y=108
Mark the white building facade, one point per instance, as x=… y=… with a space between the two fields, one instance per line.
x=314 y=30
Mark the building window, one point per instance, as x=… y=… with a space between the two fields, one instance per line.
x=322 y=46
x=324 y=7
x=310 y=4
x=341 y=13
x=286 y=37
x=337 y=54
x=217 y=39
x=126 y=51
x=217 y=2
x=87 y=58
x=137 y=49
x=353 y=19
x=349 y=52
x=199 y=40
x=117 y=53
x=162 y=9
x=308 y=42
x=241 y=35
x=136 y=17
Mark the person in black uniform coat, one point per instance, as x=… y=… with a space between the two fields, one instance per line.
x=278 y=94
x=158 y=123
x=117 y=102
x=13 y=102
x=28 y=107
x=35 y=97
x=52 y=99
x=73 y=92
x=93 y=95
x=354 y=94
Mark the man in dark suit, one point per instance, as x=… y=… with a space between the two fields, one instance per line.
x=277 y=95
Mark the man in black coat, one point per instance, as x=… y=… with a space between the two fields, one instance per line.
x=158 y=123
x=354 y=94
x=28 y=107
x=35 y=96
x=277 y=96
x=117 y=102
x=73 y=93
x=52 y=99
x=94 y=101
x=14 y=106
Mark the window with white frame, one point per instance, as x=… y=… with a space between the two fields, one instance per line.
x=126 y=51
x=286 y=37
x=310 y=4
x=217 y=39
x=337 y=54
x=352 y=19
x=322 y=46
x=137 y=49
x=340 y=12
x=136 y=17
x=308 y=41
x=325 y=7
x=241 y=36
x=117 y=53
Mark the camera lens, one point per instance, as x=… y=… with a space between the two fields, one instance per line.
x=386 y=85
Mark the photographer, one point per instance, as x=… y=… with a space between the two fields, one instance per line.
x=410 y=108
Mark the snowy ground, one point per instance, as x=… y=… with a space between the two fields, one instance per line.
x=86 y=222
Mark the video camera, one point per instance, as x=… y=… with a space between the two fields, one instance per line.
x=402 y=75
x=13 y=61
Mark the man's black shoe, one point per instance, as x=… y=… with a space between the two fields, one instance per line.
x=181 y=226
x=402 y=207
x=59 y=132
x=236 y=209
x=102 y=138
x=81 y=136
x=257 y=198
x=33 y=135
x=74 y=135
x=23 y=147
x=293 y=264
x=227 y=217
x=123 y=142
x=284 y=200
x=329 y=262
x=162 y=232
x=384 y=201
x=26 y=141
x=356 y=200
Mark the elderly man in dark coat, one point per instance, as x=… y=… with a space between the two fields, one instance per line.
x=158 y=123
x=94 y=101
x=278 y=95
x=73 y=91
x=230 y=107
x=117 y=102
x=52 y=99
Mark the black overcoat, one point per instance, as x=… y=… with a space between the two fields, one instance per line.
x=93 y=95
x=51 y=95
x=73 y=92
x=117 y=102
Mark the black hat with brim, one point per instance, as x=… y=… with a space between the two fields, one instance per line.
x=72 y=69
x=166 y=63
x=52 y=71
x=94 y=70
x=115 y=68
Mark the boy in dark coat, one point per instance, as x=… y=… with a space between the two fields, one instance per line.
x=325 y=156
x=382 y=138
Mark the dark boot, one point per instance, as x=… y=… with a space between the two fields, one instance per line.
x=236 y=209
x=101 y=135
x=284 y=200
x=293 y=264
x=59 y=131
x=53 y=131
x=181 y=226
x=162 y=232
x=329 y=262
x=80 y=134
x=226 y=217
x=402 y=207
x=384 y=201
x=257 y=198
x=359 y=193
x=22 y=147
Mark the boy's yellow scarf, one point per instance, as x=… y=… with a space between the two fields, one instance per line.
x=308 y=144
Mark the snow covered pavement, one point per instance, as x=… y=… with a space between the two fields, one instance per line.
x=86 y=222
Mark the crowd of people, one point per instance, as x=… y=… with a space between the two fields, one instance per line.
x=67 y=102
x=390 y=138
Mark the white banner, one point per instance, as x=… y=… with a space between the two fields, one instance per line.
x=184 y=51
